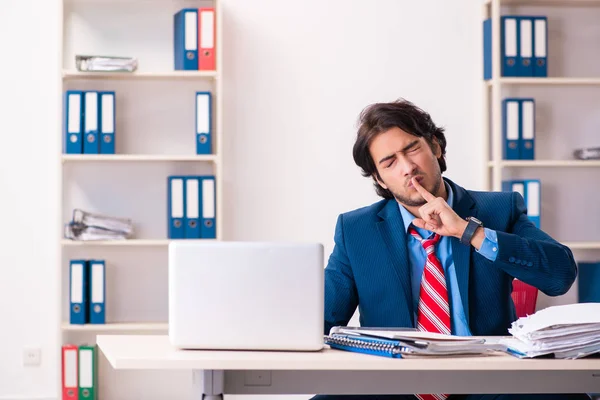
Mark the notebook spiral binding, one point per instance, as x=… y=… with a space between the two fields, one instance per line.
x=377 y=346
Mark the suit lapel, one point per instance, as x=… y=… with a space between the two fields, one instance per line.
x=394 y=236
x=461 y=254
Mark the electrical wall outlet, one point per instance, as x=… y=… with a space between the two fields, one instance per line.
x=257 y=378
x=32 y=356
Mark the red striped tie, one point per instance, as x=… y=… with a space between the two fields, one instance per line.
x=434 y=309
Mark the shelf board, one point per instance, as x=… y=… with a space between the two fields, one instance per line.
x=130 y=242
x=165 y=242
x=74 y=74
x=135 y=157
x=582 y=245
x=557 y=3
x=118 y=327
x=546 y=163
x=545 y=81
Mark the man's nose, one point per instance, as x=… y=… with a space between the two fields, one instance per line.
x=408 y=167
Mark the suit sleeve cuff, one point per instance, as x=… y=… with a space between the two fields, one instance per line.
x=489 y=248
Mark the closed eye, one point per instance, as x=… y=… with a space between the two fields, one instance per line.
x=413 y=149
x=389 y=159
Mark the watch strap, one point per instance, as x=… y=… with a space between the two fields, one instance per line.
x=469 y=231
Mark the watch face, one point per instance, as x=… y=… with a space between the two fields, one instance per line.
x=476 y=220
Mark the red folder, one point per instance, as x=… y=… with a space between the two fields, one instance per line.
x=70 y=372
x=207 y=39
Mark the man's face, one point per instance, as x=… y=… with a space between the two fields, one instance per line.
x=399 y=156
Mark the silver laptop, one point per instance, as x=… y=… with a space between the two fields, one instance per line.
x=246 y=295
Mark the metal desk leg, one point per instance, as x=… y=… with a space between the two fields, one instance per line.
x=208 y=384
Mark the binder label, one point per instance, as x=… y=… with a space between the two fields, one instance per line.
x=208 y=198
x=540 y=38
x=97 y=283
x=91 y=112
x=86 y=369
x=526 y=39
x=193 y=198
x=191 y=31
x=108 y=111
x=519 y=188
x=177 y=198
x=70 y=366
x=528 y=120
x=510 y=32
x=207 y=36
x=533 y=199
x=203 y=113
x=74 y=125
x=77 y=283
x=512 y=133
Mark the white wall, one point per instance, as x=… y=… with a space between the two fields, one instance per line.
x=29 y=204
x=309 y=70
x=296 y=77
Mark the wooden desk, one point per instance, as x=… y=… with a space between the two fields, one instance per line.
x=338 y=372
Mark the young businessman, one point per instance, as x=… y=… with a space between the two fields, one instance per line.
x=431 y=254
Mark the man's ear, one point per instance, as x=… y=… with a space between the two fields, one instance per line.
x=436 y=148
x=379 y=181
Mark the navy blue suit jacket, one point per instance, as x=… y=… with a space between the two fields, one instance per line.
x=369 y=266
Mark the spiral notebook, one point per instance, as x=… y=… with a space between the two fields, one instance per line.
x=405 y=343
x=373 y=346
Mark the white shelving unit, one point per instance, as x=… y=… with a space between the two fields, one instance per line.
x=583 y=245
x=493 y=88
x=566 y=101
x=127 y=243
x=138 y=158
x=550 y=81
x=157 y=327
x=155 y=138
x=74 y=74
x=554 y=3
x=545 y=163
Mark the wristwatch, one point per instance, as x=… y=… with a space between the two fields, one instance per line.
x=472 y=226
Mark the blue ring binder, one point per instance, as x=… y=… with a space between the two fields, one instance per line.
x=381 y=347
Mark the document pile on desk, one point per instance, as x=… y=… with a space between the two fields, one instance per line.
x=91 y=226
x=569 y=331
x=404 y=343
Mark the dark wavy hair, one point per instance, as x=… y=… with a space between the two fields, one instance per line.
x=380 y=117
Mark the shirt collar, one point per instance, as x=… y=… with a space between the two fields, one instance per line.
x=408 y=218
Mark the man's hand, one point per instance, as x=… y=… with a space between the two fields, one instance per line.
x=437 y=216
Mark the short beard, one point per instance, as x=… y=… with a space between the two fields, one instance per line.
x=417 y=203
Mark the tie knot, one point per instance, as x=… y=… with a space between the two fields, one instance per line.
x=428 y=244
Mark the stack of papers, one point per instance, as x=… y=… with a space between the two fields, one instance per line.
x=105 y=64
x=91 y=226
x=570 y=331
x=408 y=342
